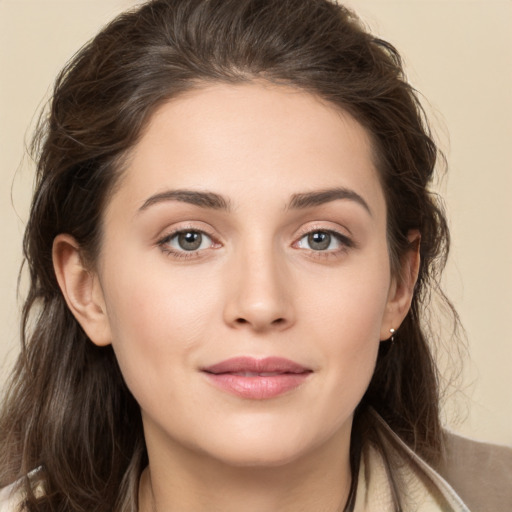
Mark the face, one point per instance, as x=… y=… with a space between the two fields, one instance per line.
x=245 y=274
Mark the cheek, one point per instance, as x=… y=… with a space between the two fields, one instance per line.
x=350 y=306
x=151 y=298
x=346 y=321
x=157 y=320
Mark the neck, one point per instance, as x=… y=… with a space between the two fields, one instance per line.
x=315 y=481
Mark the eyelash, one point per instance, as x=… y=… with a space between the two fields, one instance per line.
x=345 y=242
x=163 y=243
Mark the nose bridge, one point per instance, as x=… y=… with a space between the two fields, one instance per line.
x=260 y=296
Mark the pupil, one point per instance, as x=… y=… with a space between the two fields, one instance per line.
x=319 y=240
x=190 y=241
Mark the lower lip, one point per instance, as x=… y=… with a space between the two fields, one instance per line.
x=259 y=387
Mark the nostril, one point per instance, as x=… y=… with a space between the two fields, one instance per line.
x=277 y=321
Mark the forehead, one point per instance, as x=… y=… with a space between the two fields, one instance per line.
x=253 y=140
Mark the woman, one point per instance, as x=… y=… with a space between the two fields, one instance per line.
x=231 y=246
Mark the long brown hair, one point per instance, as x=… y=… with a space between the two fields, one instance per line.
x=68 y=410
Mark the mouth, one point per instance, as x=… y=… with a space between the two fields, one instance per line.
x=257 y=379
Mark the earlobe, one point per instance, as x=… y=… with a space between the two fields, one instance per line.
x=81 y=289
x=402 y=287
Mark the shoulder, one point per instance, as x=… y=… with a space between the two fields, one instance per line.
x=471 y=475
x=412 y=483
x=481 y=473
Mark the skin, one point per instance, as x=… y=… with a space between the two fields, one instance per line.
x=255 y=287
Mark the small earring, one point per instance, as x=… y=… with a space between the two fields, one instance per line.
x=392 y=331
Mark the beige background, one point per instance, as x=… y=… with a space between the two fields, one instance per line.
x=458 y=54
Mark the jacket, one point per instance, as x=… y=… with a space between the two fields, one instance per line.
x=471 y=477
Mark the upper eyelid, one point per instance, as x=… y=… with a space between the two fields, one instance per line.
x=330 y=231
x=321 y=226
x=169 y=232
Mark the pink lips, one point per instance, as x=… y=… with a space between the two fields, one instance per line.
x=257 y=379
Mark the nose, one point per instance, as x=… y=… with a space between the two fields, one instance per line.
x=260 y=293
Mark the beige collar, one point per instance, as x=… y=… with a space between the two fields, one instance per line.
x=422 y=488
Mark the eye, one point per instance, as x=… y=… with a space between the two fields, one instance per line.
x=188 y=240
x=321 y=240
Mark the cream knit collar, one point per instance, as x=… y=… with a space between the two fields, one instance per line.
x=422 y=489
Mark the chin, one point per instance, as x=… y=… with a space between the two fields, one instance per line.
x=269 y=456
x=264 y=448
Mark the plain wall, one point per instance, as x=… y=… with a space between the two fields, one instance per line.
x=458 y=53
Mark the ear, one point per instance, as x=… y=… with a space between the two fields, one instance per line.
x=81 y=289
x=401 y=290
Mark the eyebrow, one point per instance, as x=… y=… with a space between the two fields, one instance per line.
x=317 y=198
x=217 y=202
x=201 y=199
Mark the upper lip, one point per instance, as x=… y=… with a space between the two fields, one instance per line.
x=255 y=365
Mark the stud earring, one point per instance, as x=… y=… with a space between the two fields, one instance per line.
x=392 y=331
